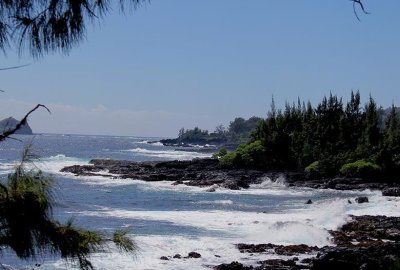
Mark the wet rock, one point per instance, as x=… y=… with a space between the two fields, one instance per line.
x=362 y=199
x=231 y=184
x=164 y=258
x=288 y=250
x=194 y=255
x=309 y=201
x=180 y=182
x=177 y=256
x=212 y=189
x=232 y=266
x=365 y=242
x=392 y=191
x=278 y=264
x=375 y=257
x=197 y=172
x=368 y=230
x=291 y=250
x=251 y=248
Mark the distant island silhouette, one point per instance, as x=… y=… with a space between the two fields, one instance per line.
x=10 y=122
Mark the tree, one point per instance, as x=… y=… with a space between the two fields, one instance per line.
x=26 y=223
x=43 y=26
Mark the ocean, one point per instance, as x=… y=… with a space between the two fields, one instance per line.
x=165 y=220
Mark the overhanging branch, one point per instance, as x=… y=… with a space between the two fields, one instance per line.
x=361 y=5
x=24 y=120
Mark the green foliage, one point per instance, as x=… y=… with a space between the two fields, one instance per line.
x=333 y=132
x=360 y=168
x=246 y=155
x=122 y=241
x=28 y=228
x=229 y=160
x=313 y=168
x=239 y=131
x=221 y=153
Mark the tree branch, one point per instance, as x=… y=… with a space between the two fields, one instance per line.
x=7 y=68
x=361 y=5
x=10 y=132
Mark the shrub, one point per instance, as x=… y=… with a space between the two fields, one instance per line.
x=221 y=153
x=228 y=160
x=251 y=154
x=313 y=170
x=246 y=155
x=360 y=168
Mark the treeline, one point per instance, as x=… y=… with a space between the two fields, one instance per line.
x=238 y=131
x=330 y=139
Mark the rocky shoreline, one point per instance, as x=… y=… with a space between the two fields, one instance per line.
x=208 y=173
x=366 y=242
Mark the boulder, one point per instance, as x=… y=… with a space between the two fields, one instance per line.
x=392 y=191
x=194 y=255
x=232 y=266
x=362 y=199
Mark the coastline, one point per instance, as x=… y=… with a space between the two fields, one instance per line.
x=207 y=172
x=367 y=242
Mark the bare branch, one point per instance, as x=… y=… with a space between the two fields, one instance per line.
x=24 y=120
x=7 y=68
x=361 y=5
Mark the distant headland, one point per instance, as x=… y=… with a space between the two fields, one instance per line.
x=10 y=123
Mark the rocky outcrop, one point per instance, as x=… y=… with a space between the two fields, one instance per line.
x=362 y=199
x=366 y=242
x=197 y=172
x=208 y=172
x=391 y=191
x=288 y=250
x=10 y=123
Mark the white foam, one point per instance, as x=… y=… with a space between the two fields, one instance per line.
x=377 y=205
x=267 y=183
x=152 y=247
x=111 y=181
x=169 y=154
x=251 y=227
x=151 y=143
x=54 y=164
x=7 y=168
x=221 y=202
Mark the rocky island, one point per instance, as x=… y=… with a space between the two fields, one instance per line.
x=10 y=123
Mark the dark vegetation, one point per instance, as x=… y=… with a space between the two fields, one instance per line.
x=330 y=139
x=239 y=131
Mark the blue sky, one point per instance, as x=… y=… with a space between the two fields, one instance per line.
x=177 y=63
